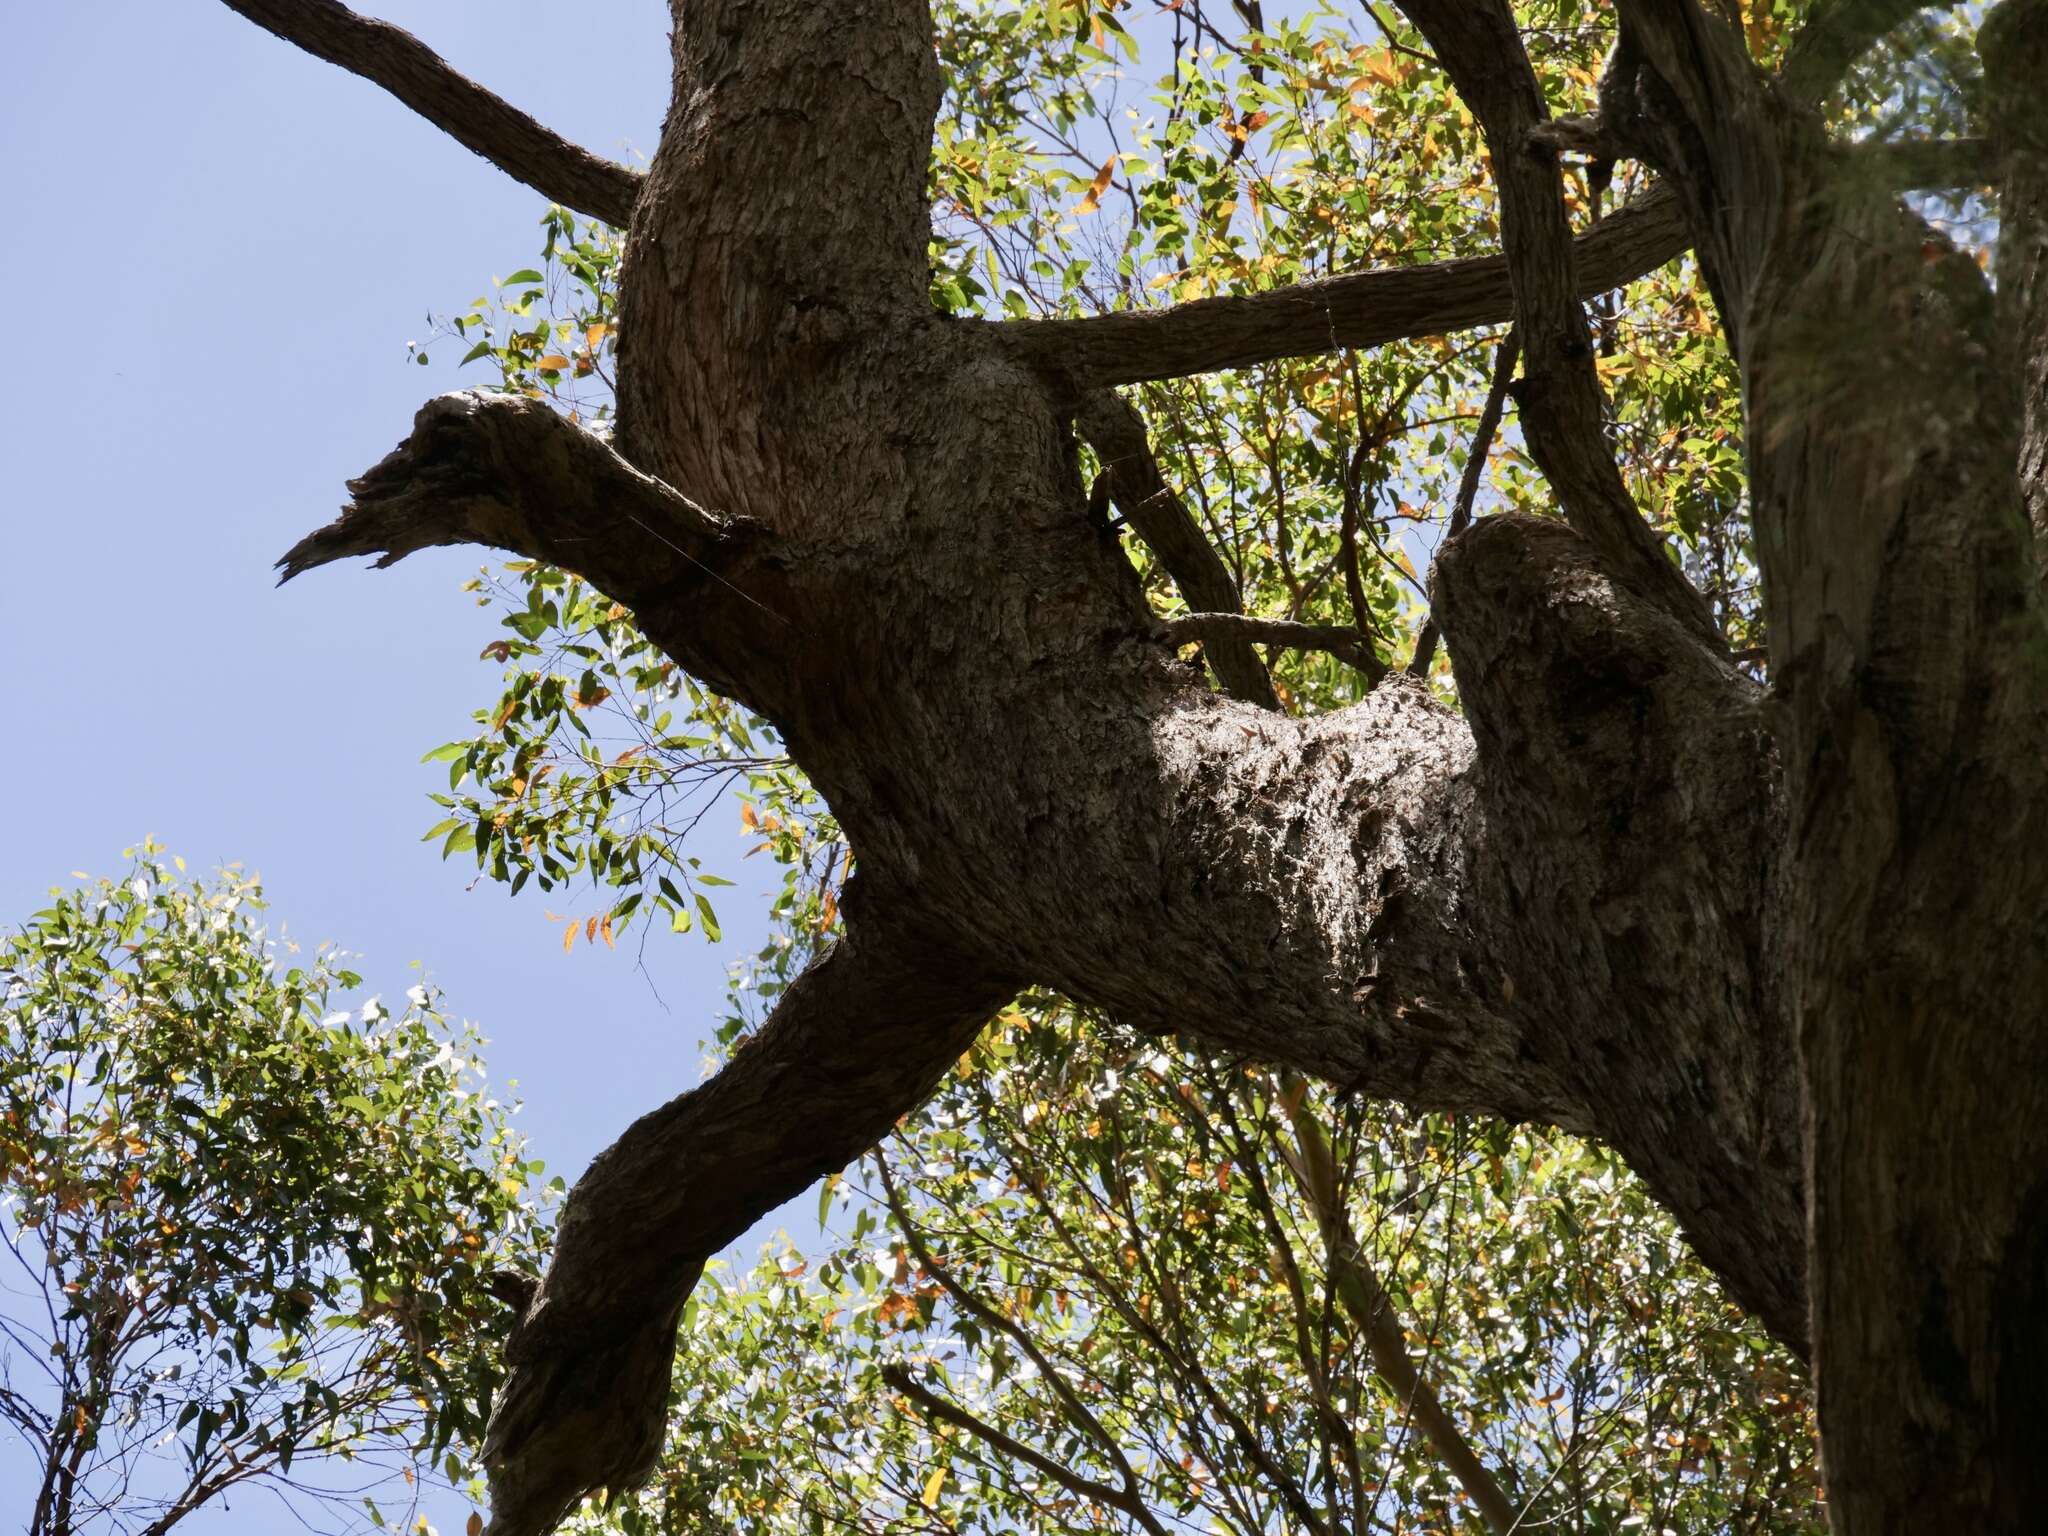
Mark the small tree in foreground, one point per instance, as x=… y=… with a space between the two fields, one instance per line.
x=249 y=1231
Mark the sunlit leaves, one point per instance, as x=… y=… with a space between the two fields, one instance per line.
x=265 y=1224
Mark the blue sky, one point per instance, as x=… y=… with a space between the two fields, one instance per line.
x=219 y=248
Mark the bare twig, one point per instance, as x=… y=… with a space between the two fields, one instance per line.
x=899 y=1377
x=1468 y=482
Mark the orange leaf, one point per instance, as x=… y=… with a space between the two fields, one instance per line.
x=595 y=334
x=569 y=936
x=1097 y=187
x=475 y=1527
x=554 y=361
x=604 y=928
x=590 y=931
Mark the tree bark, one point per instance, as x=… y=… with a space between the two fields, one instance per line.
x=1785 y=952
x=1911 y=951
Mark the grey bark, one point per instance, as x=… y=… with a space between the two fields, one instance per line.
x=1783 y=951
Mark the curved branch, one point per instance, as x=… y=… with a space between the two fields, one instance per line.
x=854 y=1043
x=475 y=118
x=1360 y=309
x=1563 y=406
x=1116 y=432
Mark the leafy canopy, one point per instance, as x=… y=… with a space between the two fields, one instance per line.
x=244 y=1222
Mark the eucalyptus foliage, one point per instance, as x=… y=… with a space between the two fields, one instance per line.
x=250 y=1231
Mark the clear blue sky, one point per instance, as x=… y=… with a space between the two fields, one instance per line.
x=218 y=249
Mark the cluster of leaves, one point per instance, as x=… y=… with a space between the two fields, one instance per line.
x=241 y=1220
x=1098 y=1284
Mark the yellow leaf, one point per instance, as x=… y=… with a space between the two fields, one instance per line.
x=932 y=1485
x=569 y=936
x=595 y=335
x=604 y=928
x=554 y=360
x=1097 y=187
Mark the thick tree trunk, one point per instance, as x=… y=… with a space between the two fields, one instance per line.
x=1908 y=647
x=1756 y=943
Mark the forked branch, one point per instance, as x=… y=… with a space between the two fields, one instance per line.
x=1563 y=407
x=393 y=58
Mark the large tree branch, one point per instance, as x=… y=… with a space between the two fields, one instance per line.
x=1563 y=407
x=854 y=1043
x=393 y=58
x=1906 y=631
x=509 y=473
x=1116 y=432
x=1360 y=309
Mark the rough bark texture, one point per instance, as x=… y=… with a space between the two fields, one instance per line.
x=1784 y=952
x=1907 y=644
